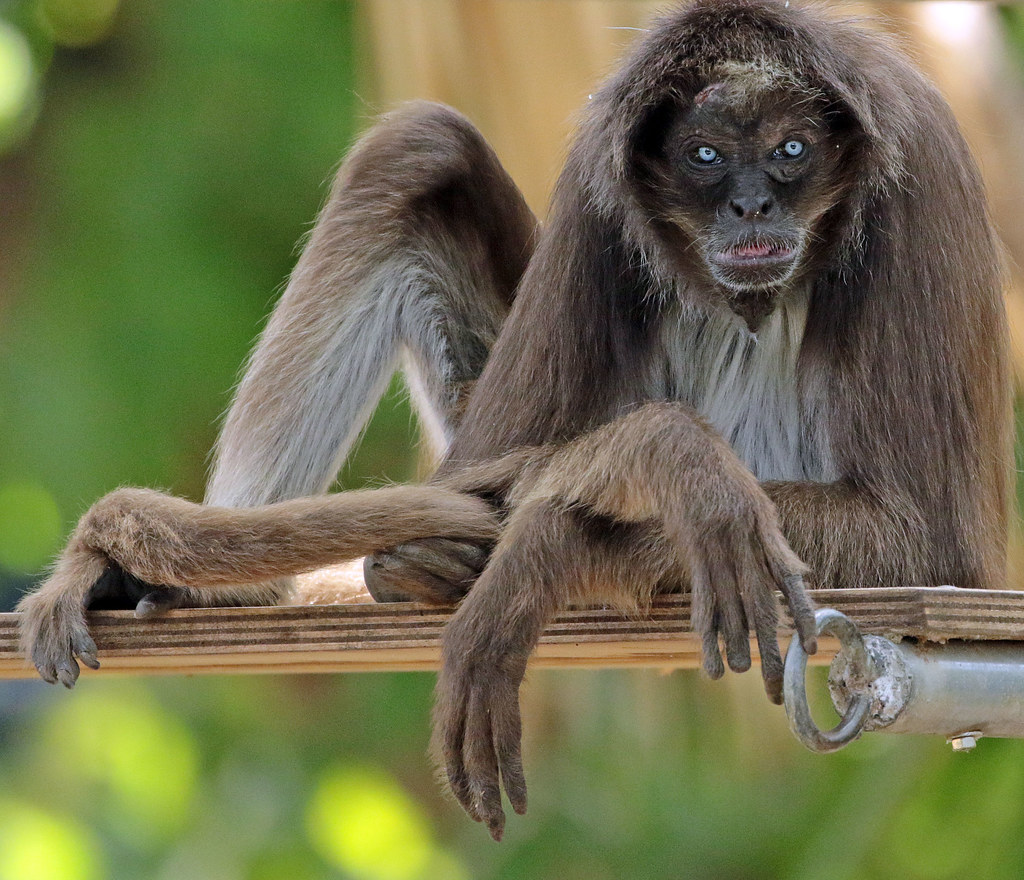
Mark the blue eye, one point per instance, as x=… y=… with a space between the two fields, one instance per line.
x=791 y=150
x=706 y=155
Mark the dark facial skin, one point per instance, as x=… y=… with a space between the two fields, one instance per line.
x=752 y=175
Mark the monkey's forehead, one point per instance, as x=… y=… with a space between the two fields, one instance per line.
x=751 y=89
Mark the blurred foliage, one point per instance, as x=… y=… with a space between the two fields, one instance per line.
x=1012 y=16
x=161 y=160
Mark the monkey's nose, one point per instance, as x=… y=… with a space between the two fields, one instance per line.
x=749 y=207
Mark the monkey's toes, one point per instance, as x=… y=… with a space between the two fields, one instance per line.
x=84 y=648
x=67 y=673
x=55 y=665
x=159 y=601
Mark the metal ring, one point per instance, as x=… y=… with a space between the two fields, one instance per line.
x=794 y=686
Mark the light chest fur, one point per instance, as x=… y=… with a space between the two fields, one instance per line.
x=746 y=387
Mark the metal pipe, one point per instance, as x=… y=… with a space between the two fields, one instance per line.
x=960 y=690
x=952 y=690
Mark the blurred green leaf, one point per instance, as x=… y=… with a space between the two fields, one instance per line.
x=78 y=22
x=18 y=86
x=130 y=757
x=35 y=845
x=30 y=526
x=364 y=824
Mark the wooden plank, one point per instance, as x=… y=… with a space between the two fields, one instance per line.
x=362 y=636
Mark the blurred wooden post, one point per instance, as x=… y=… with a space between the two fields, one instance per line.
x=520 y=70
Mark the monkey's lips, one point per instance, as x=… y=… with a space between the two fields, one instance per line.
x=754 y=265
x=756 y=254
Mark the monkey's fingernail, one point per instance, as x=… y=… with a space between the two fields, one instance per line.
x=713 y=666
x=773 y=687
x=496 y=825
x=68 y=675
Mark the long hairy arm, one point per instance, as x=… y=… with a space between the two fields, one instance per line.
x=162 y=540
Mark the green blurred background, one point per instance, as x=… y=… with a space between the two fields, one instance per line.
x=158 y=162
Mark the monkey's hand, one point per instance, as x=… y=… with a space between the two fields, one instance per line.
x=439 y=571
x=54 y=632
x=477 y=727
x=738 y=557
x=664 y=466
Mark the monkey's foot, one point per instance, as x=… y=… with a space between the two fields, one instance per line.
x=118 y=589
x=439 y=571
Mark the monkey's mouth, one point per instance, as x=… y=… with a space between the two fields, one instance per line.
x=755 y=254
x=755 y=264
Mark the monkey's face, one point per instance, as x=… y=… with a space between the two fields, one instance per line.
x=750 y=174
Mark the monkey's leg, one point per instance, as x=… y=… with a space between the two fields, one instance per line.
x=416 y=253
x=419 y=248
x=158 y=539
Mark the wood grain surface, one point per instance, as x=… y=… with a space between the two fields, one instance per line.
x=359 y=636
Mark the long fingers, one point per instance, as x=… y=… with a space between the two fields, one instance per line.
x=477 y=735
x=450 y=735
x=788 y=572
x=705 y=619
x=762 y=613
x=802 y=609
x=733 y=581
x=507 y=730
x=734 y=629
x=481 y=763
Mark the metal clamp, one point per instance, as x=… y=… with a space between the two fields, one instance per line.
x=794 y=686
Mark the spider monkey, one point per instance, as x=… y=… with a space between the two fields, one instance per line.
x=760 y=340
